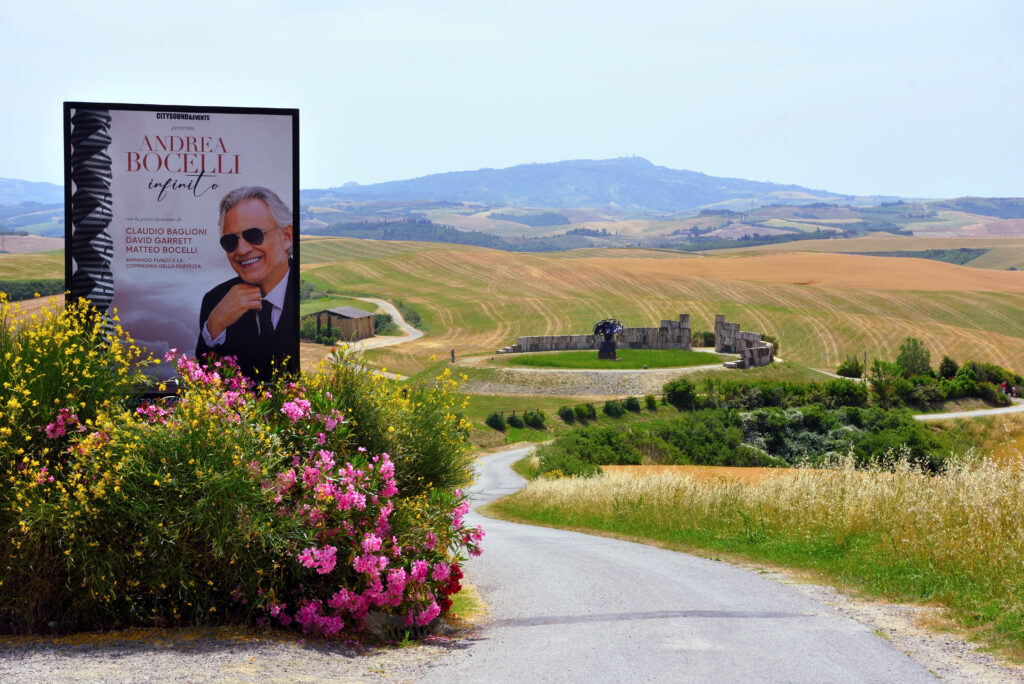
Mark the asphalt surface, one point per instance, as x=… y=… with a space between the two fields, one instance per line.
x=569 y=607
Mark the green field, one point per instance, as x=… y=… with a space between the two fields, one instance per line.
x=626 y=359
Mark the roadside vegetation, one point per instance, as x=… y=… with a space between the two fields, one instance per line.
x=778 y=423
x=309 y=502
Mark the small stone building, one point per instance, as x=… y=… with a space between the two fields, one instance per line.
x=669 y=335
x=345 y=323
x=753 y=351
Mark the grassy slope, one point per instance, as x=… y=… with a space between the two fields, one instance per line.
x=32 y=265
x=822 y=307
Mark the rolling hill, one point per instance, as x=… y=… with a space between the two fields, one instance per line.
x=624 y=183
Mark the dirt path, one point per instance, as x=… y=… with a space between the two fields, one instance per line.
x=584 y=383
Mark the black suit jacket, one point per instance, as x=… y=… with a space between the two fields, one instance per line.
x=243 y=342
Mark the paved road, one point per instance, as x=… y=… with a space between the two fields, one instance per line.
x=573 y=607
x=1016 y=407
x=411 y=333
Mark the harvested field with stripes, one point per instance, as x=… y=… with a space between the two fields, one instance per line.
x=821 y=306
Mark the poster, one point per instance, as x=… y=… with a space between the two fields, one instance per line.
x=146 y=190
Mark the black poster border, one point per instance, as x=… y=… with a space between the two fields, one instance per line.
x=69 y=238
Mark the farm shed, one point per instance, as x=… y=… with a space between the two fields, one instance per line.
x=344 y=322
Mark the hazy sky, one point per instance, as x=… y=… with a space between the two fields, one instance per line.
x=915 y=98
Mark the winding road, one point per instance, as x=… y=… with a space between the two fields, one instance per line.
x=565 y=606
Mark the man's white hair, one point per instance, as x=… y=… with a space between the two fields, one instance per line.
x=279 y=211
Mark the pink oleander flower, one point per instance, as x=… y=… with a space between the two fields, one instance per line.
x=426 y=616
x=296 y=410
x=323 y=560
x=441 y=571
x=365 y=563
x=430 y=542
x=371 y=542
x=420 y=569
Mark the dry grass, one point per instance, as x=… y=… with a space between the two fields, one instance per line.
x=712 y=473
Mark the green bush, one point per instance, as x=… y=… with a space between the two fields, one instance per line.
x=613 y=408
x=383 y=324
x=632 y=404
x=914 y=358
x=681 y=393
x=947 y=368
x=598 y=445
x=852 y=367
x=581 y=412
x=702 y=338
x=567 y=414
x=845 y=393
x=516 y=421
x=496 y=421
x=650 y=402
x=27 y=289
x=556 y=461
x=534 y=419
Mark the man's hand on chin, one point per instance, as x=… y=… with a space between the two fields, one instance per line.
x=232 y=306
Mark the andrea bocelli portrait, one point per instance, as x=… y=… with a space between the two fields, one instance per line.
x=252 y=316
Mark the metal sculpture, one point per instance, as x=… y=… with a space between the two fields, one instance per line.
x=608 y=328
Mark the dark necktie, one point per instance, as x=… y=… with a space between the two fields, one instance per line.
x=266 y=323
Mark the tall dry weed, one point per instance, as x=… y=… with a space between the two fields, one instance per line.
x=967 y=520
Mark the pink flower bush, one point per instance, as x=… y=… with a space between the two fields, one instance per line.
x=362 y=547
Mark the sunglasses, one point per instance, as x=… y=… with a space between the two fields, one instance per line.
x=254 y=236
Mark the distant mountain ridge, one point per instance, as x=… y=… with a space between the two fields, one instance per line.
x=15 y=191
x=626 y=182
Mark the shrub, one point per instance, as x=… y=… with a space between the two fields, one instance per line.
x=241 y=503
x=852 y=367
x=516 y=421
x=632 y=404
x=602 y=445
x=581 y=413
x=27 y=289
x=914 y=358
x=417 y=424
x=650 y=402
x=566 y=414
x=496 y=421
x=927 y=393
x=613 y=408
x=555 y=462
x=534 y=419
x=703 y=338
x=383 y=324
x=681 y=393
x=947 y=368
x=845 y=393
